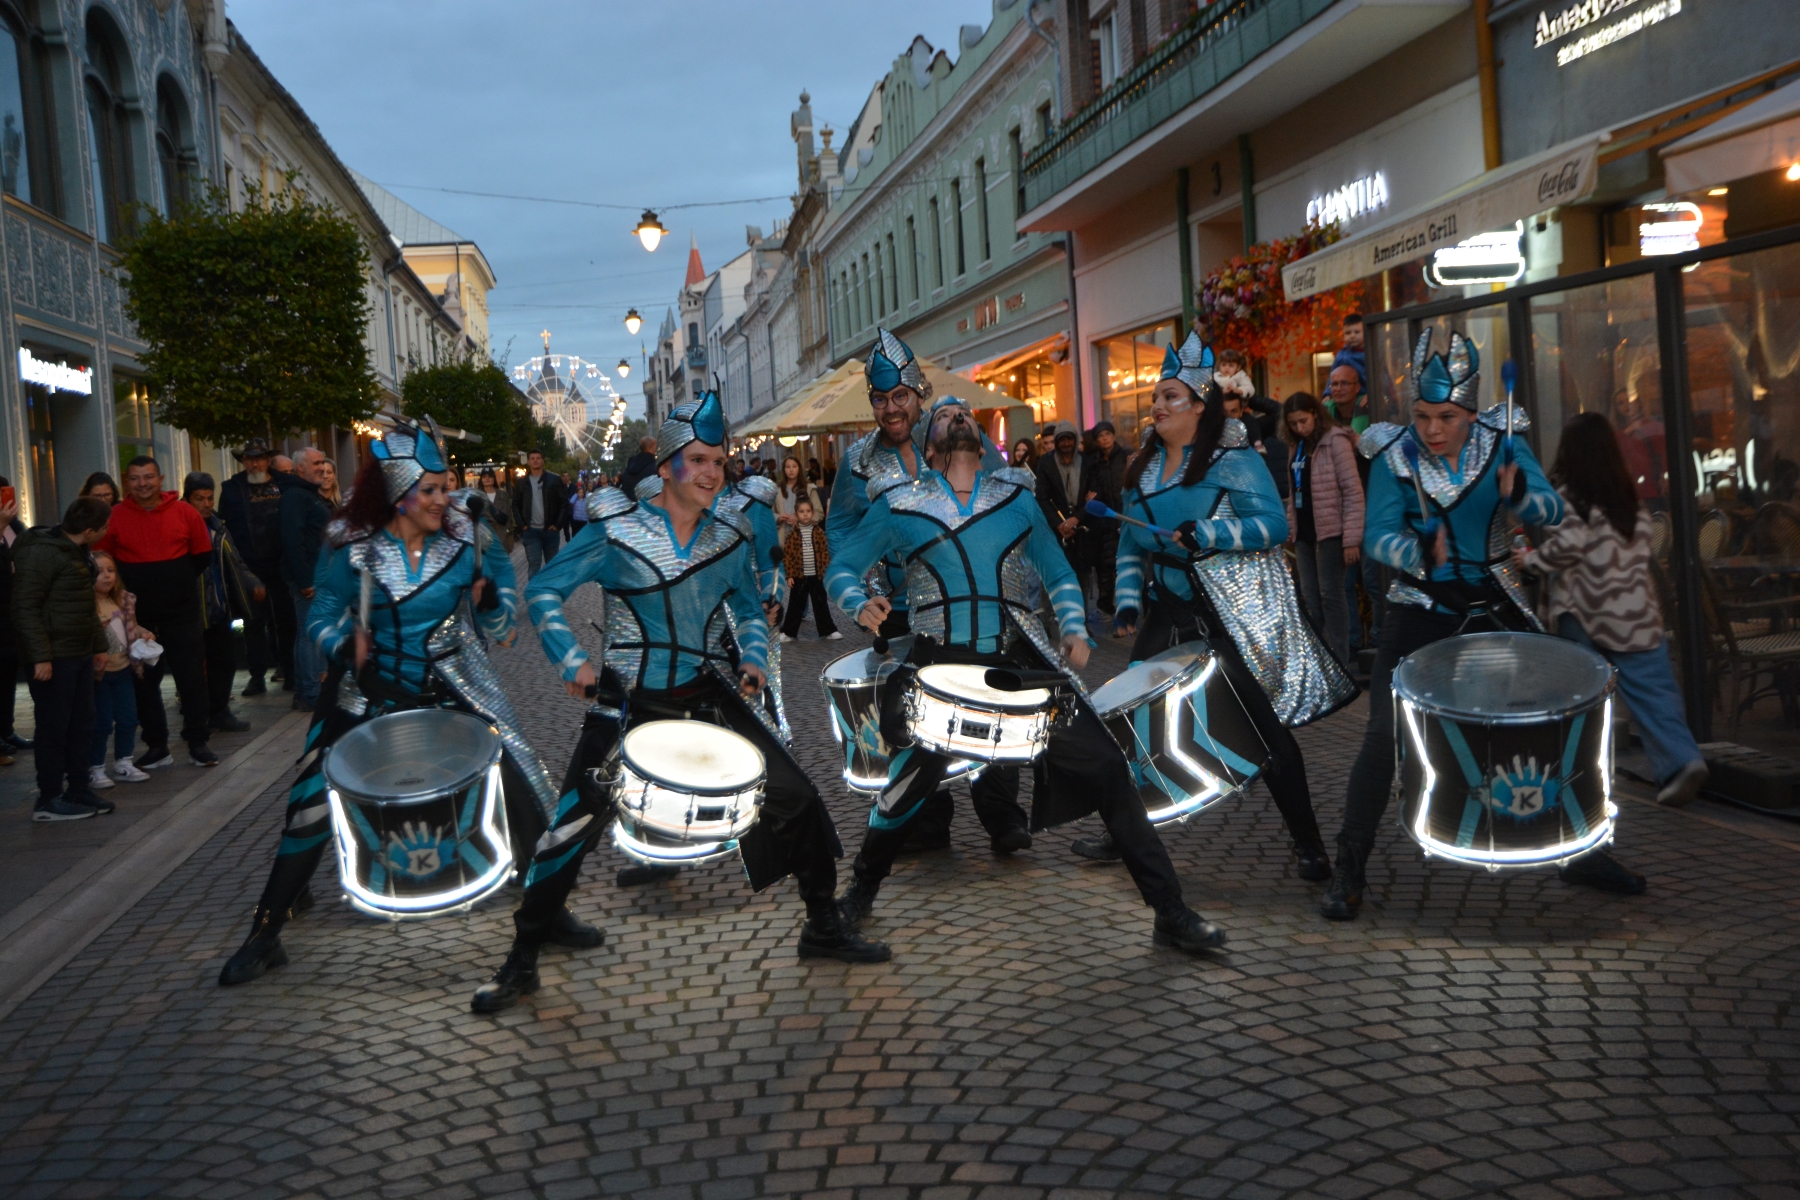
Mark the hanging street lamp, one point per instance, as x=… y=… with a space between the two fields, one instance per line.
x=633 y=321
x=650 y=230
x=624 y=369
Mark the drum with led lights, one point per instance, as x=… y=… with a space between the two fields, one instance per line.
x=685 y=792
x=1189 y=738
x=419 y=813
x=1505 y=745
x=853 y=685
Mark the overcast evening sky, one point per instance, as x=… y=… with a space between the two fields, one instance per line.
x=634 y=104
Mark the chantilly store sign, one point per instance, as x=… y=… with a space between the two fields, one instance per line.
x=1638 y=15
x=1358 y=198
x=58 y=377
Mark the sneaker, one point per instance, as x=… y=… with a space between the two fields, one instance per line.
x=834 y=636
x=255 y=687
x=127 y=770
x=228 y=722
x=154 y=759
x=97 y=779
x=90 y=800
x=56 y=808
x=202 y=756
x=17 y=742
x=784 y=639
x=1680 y=791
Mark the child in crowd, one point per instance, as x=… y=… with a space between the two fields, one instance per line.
x=807 y=558
x=1261 y=417
x=59 y=634
x=115 y=697
x=1600 y=593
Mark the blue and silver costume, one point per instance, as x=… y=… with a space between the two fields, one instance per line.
x=965 y=575
x=424 y=652
x=680 y=621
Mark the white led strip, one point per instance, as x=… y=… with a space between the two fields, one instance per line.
x=493 y=824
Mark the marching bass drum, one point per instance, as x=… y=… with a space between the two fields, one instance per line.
x=419 y=813
x=1505 y=749
x=853 y=686
x=686 y=791
x=1188 y=737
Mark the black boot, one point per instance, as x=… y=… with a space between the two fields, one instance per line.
x=516 y=977
x=260 y=952
x=1599 y=870
x=930 y=827
x=1010 y=841
x=1100 y=849
x=857 y=902
x=827 y=935
x=1315 y=864
x=562 y=929
x=1343 y=895
x=1187 y=931
x=256 y=686
x=303 y=902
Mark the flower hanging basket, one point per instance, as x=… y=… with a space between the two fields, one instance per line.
x=1242 y=305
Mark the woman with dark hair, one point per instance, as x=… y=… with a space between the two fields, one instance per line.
x=414 y=546
x=1599 y=593
x=1324 y=512
x=790 y=488
x=1196 y=473
x=100 y=485
x=1024 y=454
x=499 y=505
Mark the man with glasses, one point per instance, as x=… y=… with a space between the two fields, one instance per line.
x=875 y=463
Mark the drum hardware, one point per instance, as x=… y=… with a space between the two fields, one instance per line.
x=685 y=792
x=1505 y=749
x=854 y=685
x=418 y=812
x=1189 y=738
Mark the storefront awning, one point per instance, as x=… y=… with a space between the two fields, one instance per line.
x=765 y=422
x=839 y=399
x=1758 y=137
x=1564 y=174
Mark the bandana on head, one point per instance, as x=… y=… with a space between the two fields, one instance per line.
x=922 y=431
x=407 y=452
x=1453 y=378
x=1192 y=364
x=891 y=364
x=698 y=420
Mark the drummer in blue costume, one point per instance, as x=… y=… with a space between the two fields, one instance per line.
x=891 y=456
x=686 y=638
x=753 y=499
x=965 y=534
x=1444 y=493
x=403 y=534
x=1226 y=581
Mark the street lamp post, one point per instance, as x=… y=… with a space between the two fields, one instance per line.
x=650 y=230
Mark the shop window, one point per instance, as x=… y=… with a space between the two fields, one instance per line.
x=1126 y=368
x=56 y=386
x=1743 y=348
x=132 y=427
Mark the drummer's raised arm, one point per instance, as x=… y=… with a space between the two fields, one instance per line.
x=1390 y=530
x=497 y=568
x=853 y=556
x=1045 y=553
x=337 y=592
x=583 y=560
x=1542 y=504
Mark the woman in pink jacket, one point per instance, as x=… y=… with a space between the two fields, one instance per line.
x=1325 y=512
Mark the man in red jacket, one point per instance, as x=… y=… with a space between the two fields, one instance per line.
x=162 y=547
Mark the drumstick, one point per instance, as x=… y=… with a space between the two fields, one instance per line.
x=1411 y=450
x=366 y=602
x=1098 y=509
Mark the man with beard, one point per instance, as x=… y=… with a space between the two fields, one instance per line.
x=874 y=463
x=964 y=535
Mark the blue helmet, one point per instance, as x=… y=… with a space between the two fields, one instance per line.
x=698 y=420
x=891 y=364
x=1192 y=364
x=408 y=451
x=1452 y=378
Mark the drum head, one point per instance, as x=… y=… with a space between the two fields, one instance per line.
x=412 y=755
x=1503 y=677
x=1149 y=679
x=965 y=681
x=693 y=756
x=864 y=666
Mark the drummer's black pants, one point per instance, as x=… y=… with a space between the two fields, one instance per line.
x=793 y=835
x=1165 y=626
x=547 y=863
x=1081 y=758
x=1404 y=629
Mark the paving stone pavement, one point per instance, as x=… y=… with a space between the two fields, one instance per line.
x=1471 y=1035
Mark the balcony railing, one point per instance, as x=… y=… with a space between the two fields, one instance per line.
x=696 y=358
x=1218 y=42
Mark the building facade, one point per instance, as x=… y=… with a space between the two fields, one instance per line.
x=921 y=233
x=452 y=267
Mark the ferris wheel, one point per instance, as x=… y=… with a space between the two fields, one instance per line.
x=570 y=394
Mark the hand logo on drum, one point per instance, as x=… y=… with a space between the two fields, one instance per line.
x=1525 y=792
x=419 y=850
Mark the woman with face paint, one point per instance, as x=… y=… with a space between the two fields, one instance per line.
x=1197 y=474
x=403 y=532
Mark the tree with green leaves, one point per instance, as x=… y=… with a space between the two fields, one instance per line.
x=255 y=320
x=475 y=396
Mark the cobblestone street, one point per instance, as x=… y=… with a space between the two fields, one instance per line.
x=1470 y=1035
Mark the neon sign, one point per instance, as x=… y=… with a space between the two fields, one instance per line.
x=1355 y=199
x=58 y=377
x=1588 y=12
x=1678 y=231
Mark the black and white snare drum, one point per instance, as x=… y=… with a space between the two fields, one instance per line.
x=1505 y=749
x=853 y=685
x=419 y=814
x=1190 y=741
x=951 y=709
x=686 y=792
